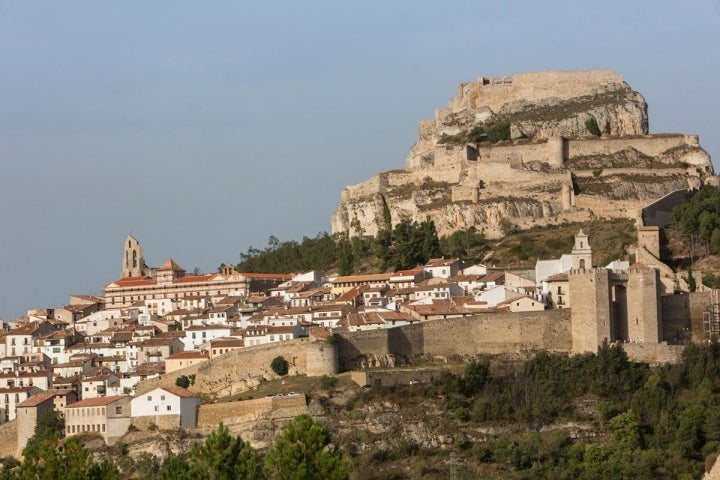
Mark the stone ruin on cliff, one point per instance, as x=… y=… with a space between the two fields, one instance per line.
x=575 y=147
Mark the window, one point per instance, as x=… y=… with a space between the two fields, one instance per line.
x=118 y=410
x=162 y=397
x=157 y=408
x=169 y=408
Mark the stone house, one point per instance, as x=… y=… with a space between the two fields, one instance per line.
x=165 y=407
x=522 y=303
x=185 y=359
x=32 y=409
x=11 y=397
x=100 y=386
x=109 y=417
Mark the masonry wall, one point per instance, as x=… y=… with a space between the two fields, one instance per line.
x=240 y=369
x=675 y=317
x=163 y=422
x=8 y=438
x=210 y=415
x=652 y=145
x=480 y=334
x=592 y=319
x=654 y=354
x=643 y=301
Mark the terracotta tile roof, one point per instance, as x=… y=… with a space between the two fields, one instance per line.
x=180 y=392
x=171 y=265
x=96 y=402
x=227 y=342
x=558 y=277
x=135 y=281
x=36 y=400
x=377 y=277
x=439 y=262
x=277 y=276
x=191 y=354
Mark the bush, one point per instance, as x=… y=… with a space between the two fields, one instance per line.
x=498 y=132
x=328 y=382
x=597 y=172
x=592 y=126
x=182 y=381
x=279 y=365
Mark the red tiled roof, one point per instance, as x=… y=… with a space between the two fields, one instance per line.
x=189 y=354
x=180 y=392
x=171 y=265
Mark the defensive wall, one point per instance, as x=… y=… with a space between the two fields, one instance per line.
x=494 y=92
x=163 y=422
x=392 y=377
x=658 y=213
x=240 y=369
x=211 y=414
x=8 y=438
x=493 y=333
x=554 y=151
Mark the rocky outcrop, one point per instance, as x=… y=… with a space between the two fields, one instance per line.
x=542 y=166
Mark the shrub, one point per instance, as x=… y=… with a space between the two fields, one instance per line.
x=592 y=126
x=328 y=382
x=182 y=381
x=279 y=365
x=597 y=172
x=498 y=132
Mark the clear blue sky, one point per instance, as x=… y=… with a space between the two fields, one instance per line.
x=202 y=128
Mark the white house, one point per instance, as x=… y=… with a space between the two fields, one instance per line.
x=177 y=405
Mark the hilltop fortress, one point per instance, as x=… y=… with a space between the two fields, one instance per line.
x=548 y=167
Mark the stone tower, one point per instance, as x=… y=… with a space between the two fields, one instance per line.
x=133 y=260
x=592 y=321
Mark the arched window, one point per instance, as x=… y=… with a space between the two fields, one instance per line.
x=134 y=259
x=582 y=263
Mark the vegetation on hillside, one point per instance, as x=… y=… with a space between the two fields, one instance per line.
x=698 y=219
x=585 y=416
x=483 y=132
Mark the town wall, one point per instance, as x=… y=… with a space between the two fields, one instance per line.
x=592 y=324
x=395 y=376
x=495 y=333
x=699 y=302
x=531 y=87
x=163 y=422
x=240 y=369
x=643 y=305
x=211 y=414
x=653 y=353
x=675 y=318
x=8 y=438
x=652 y=145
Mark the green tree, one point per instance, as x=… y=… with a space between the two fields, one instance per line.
x=346 y=258
x=592 y=126
x=279 y=365
x=303 y=451
x=182 y=381
x=627 y=429
x=221 y=457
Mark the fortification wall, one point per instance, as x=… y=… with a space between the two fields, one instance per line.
x=240 y=369
x=652 y=145
x=699 y=302
x=210 y=415
x=653 y=353
x=163 y=422
x=494 y=333
x=8 y=438
x=517 y=154
x=494 y=92
x=675 y=317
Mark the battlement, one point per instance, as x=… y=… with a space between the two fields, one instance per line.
x=495 y=91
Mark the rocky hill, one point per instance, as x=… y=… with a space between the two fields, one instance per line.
x=531 y=149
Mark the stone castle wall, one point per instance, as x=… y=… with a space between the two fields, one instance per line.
x=8 y=439
x=652 y=145
x=240 y=369
x=163 y=422
x=211 y=414
x=495 y=333
x=532 y=87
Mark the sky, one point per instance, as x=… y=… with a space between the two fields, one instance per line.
x=202 y=128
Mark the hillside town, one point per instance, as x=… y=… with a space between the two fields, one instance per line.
x=85 y=359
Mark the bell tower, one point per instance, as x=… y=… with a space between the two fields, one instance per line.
x=581 y=252
x=133 y=260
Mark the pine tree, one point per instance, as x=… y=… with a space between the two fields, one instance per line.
x=223 y=457
x=302 y=453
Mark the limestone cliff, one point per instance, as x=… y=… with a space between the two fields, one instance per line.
x=544 y=168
